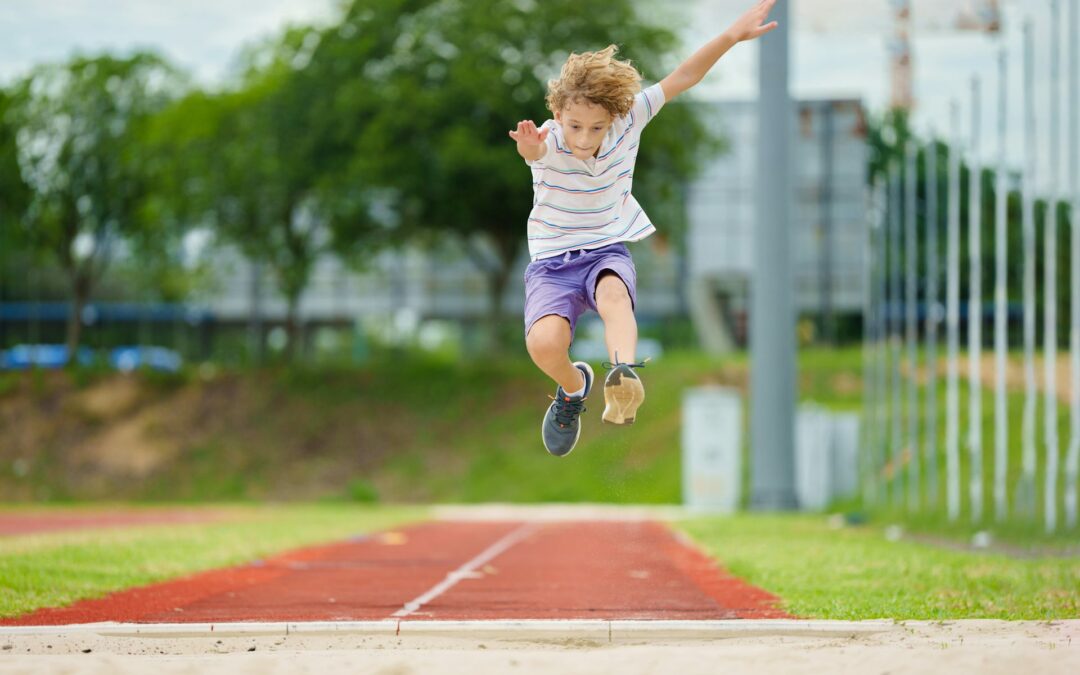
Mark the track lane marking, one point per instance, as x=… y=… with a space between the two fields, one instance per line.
x=466 y=571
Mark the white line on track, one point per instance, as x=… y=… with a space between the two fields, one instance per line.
x=466 y=570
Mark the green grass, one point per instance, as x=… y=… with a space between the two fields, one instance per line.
x=855 y=573
x=56 y=569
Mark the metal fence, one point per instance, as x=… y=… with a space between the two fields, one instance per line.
x=901 y=455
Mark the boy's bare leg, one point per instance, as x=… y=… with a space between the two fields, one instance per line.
x=548 y=343
x=623 y=391
x=617 y=312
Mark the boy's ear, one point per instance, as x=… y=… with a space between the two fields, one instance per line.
x=558 y=116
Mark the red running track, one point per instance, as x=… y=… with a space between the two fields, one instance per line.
x=451 y=571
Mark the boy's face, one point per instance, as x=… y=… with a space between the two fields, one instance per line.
x=584 y=126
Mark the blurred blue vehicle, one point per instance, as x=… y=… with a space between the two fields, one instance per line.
x=126 y=359
x=21 y=357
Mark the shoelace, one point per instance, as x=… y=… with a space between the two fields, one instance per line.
x=608 y=365
x=566 y=411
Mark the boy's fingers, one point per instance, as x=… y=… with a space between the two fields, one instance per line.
x=766 y=28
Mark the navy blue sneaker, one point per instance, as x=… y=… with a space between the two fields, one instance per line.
x=562 y=427
x=623 y=392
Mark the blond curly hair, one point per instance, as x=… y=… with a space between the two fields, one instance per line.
x=598 y=78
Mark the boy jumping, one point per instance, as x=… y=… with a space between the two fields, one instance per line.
x=583 y=211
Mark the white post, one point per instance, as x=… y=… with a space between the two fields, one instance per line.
x=881 y=451
x=873 y=381
x=975 y=484
x=1072 y=461
x=1001 y=283
x=911 y=256
x=897 y=443
x=869 y=390
x=932 y=319
x=1025 y=496
x=1050 y=278
x=952 y=325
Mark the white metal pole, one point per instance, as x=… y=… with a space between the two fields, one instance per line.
x=952 y=325
x=932 y=319
x=1026 y=490
x=975 y=485
x=897 y=443
x=1001 y=282
x=1050 y=278
x=1072 y=461
x=911 y=256
x=867 y=427
x=881 y=455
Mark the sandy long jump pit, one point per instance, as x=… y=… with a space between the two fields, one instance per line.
x=500 y=592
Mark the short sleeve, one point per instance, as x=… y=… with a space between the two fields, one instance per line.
x=647 y=103
x=550 y=141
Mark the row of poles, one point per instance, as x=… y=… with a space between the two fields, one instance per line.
x=895 y=452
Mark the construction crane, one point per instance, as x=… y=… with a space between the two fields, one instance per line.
x=969 y=15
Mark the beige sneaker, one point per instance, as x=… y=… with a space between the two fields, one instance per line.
x=623 y=393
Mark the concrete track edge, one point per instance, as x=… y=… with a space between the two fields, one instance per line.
x=539 y=629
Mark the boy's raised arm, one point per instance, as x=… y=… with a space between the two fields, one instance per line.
x=747 y=27
x=530 y=140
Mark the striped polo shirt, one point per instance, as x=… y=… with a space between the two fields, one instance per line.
x=583 y=204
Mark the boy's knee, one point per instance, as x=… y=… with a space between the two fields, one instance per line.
x=610 y=290
x=548 y=337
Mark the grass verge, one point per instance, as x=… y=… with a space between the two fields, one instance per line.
x=855 y=573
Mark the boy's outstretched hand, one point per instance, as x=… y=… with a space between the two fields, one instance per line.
x=528 y=134
x=530 y=140
x=750 y=25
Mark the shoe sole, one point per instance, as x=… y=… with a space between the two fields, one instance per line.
x=622 y=399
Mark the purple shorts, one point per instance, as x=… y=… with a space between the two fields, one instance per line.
x=566 y=285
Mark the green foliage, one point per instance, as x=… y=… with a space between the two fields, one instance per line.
x=16 y=193
x=886 y=137
x=8 y=383
x=362 y=491
x=77 y=151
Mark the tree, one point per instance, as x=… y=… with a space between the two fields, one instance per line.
x=249 y=161
x=423 y=91
x=76 y=151
x=14 y=193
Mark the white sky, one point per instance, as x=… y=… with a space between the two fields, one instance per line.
x=839 y=47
